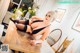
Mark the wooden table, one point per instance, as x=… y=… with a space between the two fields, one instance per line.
x=19 y=41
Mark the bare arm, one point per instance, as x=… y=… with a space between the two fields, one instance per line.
x=34 y=42
x=22 y=21
x=36 y=17
x=33 y=18
x=46 y=33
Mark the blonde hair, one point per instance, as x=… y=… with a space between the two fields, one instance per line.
x=53 y=15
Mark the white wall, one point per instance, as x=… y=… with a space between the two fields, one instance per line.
x=3 y=8
x=72 y=11
x=44 y=6
x=68 y=20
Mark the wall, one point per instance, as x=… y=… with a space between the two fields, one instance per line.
x=71 y=14
x=68 y=20
x=3 y=8
x=44 y=6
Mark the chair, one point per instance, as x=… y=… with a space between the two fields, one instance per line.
x=63 y=46
x=54 y=36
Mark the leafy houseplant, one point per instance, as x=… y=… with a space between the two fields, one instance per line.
x=18 y=13
x=31 y=11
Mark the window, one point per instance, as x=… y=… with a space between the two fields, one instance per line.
x=16 y=1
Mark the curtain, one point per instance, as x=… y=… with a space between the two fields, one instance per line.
x=3 y=8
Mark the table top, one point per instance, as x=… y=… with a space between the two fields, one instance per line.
x=19 y=41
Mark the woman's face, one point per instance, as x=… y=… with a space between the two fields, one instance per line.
x=48 y=16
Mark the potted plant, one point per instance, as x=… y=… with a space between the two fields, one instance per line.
x=32 y=11
x=18 y=13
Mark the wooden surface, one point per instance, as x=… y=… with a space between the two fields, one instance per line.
x=19 y=41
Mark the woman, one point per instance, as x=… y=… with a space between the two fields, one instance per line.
x=37 y=26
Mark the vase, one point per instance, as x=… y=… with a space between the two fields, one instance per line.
x=18 y=14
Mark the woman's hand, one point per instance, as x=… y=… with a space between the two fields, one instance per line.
x=34 y=42
x=36 y=18
x=33 y=18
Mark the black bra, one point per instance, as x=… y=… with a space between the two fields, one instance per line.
x=38 y=30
